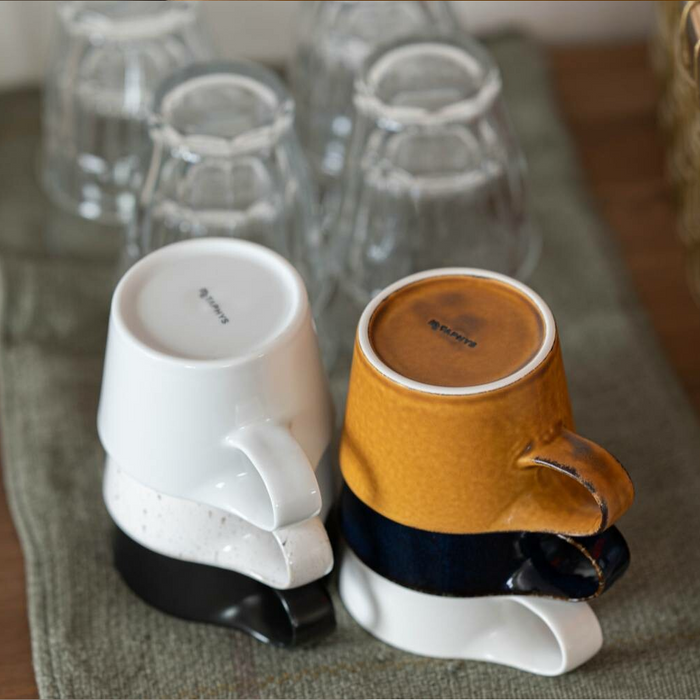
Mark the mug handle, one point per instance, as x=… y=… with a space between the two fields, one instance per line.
x=546 y=637
x=288 y=477
x=203 y=593
x=534 y=634
x=590 y=467
x=280 y=489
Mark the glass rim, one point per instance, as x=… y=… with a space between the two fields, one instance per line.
x=463 y=50
x=245 y=72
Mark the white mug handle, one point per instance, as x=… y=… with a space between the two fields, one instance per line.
x=288 y=476
x=547 y=637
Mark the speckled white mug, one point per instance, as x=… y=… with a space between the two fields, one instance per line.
x=286 y=558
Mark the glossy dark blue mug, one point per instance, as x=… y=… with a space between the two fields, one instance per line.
x=501 y=563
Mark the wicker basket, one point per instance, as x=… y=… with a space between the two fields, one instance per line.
x=676 y=59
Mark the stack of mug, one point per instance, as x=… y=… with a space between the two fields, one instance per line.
x=476 y=522
x=476 y=519
x=217 y=423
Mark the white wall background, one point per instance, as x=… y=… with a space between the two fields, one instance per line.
x=265 y=30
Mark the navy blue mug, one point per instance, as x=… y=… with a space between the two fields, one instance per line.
x=501 y=563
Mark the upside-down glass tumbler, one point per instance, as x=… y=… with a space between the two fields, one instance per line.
x=434 y=177
x=106 y=60
x=334 y=39
x=226 y=161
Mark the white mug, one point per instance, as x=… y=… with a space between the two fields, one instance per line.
x=213 y=387
x=286 y=558
x=546 y=637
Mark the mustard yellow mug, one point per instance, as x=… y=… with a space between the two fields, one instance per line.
x=458 y=417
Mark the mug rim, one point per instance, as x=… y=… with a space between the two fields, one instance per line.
x=300 y=302
x=394 y=376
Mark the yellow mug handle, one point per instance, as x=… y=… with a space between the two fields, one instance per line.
x=583 y=489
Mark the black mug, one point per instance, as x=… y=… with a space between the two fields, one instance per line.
x=203 y=593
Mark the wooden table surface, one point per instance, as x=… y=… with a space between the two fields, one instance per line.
x=608 y=98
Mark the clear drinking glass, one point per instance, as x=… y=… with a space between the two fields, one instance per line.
x=334 y=39
x=107 y=58
x=434 y=177
x=226 y=161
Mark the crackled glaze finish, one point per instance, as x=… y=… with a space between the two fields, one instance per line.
x=488 y=457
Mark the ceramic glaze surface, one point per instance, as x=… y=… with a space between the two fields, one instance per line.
x=499 y=563
x=508 y=456
x=457 y=331
x=200 y=307
x=209 y=594
x=233 y=414
x=198 y=533
x=546 y=637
